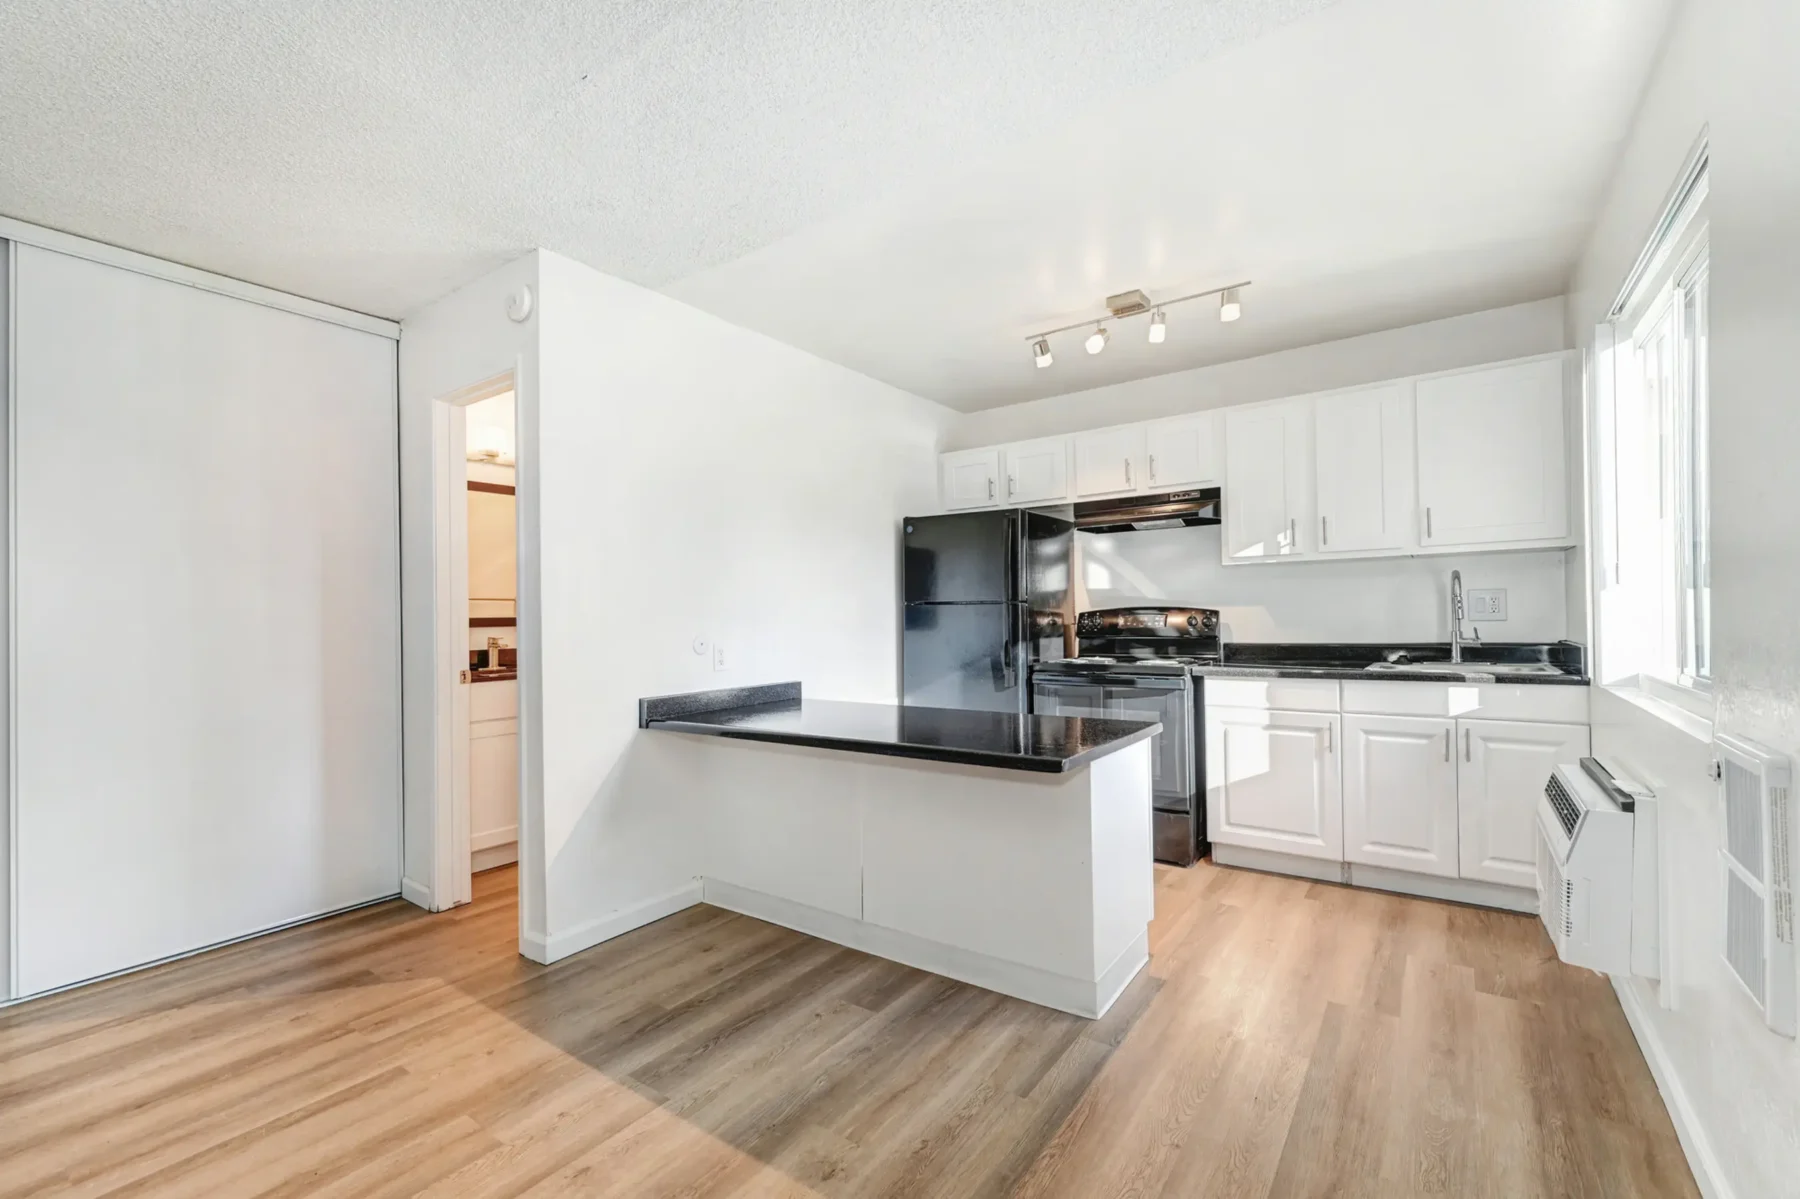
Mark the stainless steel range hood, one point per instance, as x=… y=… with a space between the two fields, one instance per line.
x=1135 y=513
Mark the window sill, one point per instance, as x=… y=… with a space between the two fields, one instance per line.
x=1682 y=709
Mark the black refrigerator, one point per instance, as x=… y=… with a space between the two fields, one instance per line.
x=985 y=595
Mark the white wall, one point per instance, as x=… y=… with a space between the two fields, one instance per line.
x=695 y=479
x=1517 y=331
x=1383 y=599
x=461 y=341
x=1733 y=1087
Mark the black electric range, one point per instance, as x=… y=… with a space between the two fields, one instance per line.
x=1134 y=665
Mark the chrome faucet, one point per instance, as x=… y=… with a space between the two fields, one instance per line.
x=1457 y=640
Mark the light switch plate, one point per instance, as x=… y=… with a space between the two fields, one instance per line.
x=1488 y=605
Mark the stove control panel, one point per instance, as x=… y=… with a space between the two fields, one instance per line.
x=1168 y=622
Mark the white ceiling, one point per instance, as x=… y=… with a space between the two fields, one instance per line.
x=907 y=188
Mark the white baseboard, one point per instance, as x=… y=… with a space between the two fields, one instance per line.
x=1694 y=1143
x=499 y=836
x=1380 y=878
x=588 y=934
x=487 y=857
x=1456 y=890
x=1073 y=995
x=1270 y=862
x=416 y=893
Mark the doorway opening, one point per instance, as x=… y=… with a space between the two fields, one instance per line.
x=492 y=556
x=478 y=813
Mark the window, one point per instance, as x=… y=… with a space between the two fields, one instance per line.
x=1651 y=493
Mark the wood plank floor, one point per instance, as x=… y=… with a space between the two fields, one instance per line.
x=1289 y=1038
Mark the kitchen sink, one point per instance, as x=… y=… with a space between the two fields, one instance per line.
x=1462 y=668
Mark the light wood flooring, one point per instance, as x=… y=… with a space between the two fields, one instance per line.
x=1289 y=1038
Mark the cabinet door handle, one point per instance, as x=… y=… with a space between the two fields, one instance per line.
x=1428 y=522
x=1012 y=485
x=1153 y=468
x=1330 y=742
x=1293 y=536
x=1324 y=532
x=1128 y=472
x=990 y=489
x=1447 y=745
x=1466 y=748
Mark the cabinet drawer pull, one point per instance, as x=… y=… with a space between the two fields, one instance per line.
x=1447 y=736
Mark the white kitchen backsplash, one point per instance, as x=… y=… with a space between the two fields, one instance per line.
x=1380 y=599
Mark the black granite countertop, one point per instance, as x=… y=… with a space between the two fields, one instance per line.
x=1472 y=675
x=778 y=713
x=1349 y=660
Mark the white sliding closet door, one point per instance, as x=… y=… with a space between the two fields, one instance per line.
x=207 y=686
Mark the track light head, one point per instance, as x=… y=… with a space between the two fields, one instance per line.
x=1159 y=328
x=1040 y=352
x=1097 y=339
x=1230 y=307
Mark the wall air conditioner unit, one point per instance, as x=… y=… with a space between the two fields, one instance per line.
x=1758 y=856
x=1585 y=871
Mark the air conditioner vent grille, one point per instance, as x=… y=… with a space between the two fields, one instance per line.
x=1744 y=819
x=1568 y=812
x=1744 y=933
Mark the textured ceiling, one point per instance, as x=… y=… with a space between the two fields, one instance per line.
x=904 y=187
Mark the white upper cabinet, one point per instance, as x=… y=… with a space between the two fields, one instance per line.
x=1503 y=766
x=970 y=478
x=1364 y=451
x=1036 y=472
x=1493 y=464
x=1268 y=477
x=1400 y=793
x=1272 y=781
x=1183 y=452
x=1110 y=462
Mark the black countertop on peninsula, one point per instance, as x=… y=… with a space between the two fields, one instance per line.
x=777 y=713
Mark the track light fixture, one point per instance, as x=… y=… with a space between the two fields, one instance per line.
x=1134 y=303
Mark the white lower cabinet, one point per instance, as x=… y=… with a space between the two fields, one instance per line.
x=1382 y=776
x=1273 y=781
x=1400 y=797
x=1501 y=768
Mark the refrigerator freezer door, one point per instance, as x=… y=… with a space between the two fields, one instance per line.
x=963 y=656
x=966 y=557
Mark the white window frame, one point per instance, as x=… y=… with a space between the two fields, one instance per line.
x=1667 y=642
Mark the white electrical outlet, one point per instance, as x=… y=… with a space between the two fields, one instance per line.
x=719 y=659
x=1488 y=605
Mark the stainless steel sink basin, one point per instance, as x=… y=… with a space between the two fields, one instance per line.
x=1462 y=668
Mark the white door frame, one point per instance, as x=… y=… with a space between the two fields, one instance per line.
x=452 y=883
